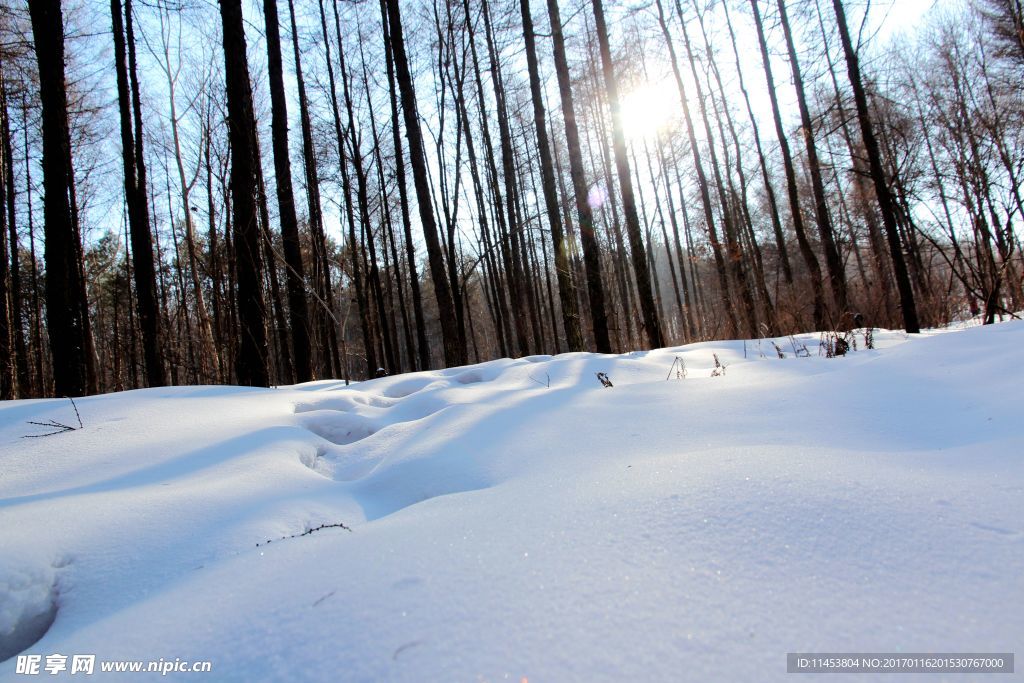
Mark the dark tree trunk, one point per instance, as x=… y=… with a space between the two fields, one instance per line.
x=17 y=315
x=585 y=216
x=570 y=314
x=136 y=200
x=423 y=349
x=512 y=307
x=648 y=309
x=8 y=386
x=860 y=175
x=297 y=306
x=498 y=304
x=520 y=291
x=454 y=352
x=365 y=324
x=363 y=198
x=40 y=381
x=251 y=358
x=388 y=239
x=65 y=312
x=773 y=204
x=726 y=197
x=743 y=222
x=323 y=321
x=215 y=259
x=280 y=364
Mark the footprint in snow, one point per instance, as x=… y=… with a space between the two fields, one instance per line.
x=29 y=606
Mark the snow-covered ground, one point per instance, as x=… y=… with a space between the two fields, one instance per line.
x=516 y=520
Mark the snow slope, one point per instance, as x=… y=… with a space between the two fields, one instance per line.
x=503 y=529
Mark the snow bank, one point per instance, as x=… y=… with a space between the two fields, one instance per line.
x=515 y=519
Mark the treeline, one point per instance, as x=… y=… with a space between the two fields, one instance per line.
x=305 y=189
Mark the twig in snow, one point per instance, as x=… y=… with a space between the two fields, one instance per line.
x=307 y=532
x=59 y=427
x=679 y=367
x=403 y=648
x=322 y=598
x=546 y=384
x=801 y=351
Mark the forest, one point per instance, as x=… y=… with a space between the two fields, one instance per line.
x=268 y=193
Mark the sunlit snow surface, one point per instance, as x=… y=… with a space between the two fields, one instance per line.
x=516 y=520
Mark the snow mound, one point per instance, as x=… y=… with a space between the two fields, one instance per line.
x=517 y=519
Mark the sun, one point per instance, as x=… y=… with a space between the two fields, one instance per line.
x=648 y=110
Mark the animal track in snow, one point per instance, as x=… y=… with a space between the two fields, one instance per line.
x=344 y=424
x=340 y=428
x=345 y=402
x=469 y=377
x=29 y=605
x=407 y=387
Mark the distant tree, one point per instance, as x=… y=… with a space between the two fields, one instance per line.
x=878 y=175
x=136 y=200
x=22 y=386
x=584 y=213
x=652 y=324
x=570 y=314
x=796 y=213
x=1006 y=19
x=833 y=264
x=422 y=347
x=454 y=352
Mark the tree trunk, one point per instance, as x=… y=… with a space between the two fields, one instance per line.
x=570 y=315
x=454 y=353
x=773 y=204
x=365 y=324
x=726 y=197
x=136 y=200
x=519 y=288
x=324 y=327
x=362 y=196
x=423 y=349
x=885 y=202
x=702 y=181
x=65 y=312
x=837 y=276
x=17 y=316
x=295 y=277
x=648 y=309
x=811 y=261
x=8 y=386
x=251 y=364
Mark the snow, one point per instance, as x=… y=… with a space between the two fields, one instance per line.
x=516 y=520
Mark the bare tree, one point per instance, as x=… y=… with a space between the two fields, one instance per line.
x=252 y=355
x=65 y=310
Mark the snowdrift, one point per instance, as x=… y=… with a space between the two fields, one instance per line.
x=516 y=520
